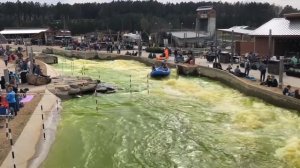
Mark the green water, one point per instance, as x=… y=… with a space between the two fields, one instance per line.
x=183 y=122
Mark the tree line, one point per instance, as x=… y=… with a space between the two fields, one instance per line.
x=147 y=16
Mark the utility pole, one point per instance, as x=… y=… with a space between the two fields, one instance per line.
x=185 y=36
x=140 y=44
x=156 y=35
x=31 y=61
x=118 y=37
x=170 y=33
x=269 y=48
x=281 y=70
x=63 y=31
x=171 y=39
x=181 y=26
x=232 y=47
x=64 y=22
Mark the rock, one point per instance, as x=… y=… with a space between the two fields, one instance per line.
x=111 y=91
x=186 y=69
x=42 y=80
x=48 y=59
x=101 y=89
x=108 y=86
x=48 y=51
x=73 y=91
x=31 y=79
x=68 y=87
x=74 y=86
x=37 y=80
x=105 y=88
x=88 y=88
x=63 y=87
x=86 y=78
x=62 y=94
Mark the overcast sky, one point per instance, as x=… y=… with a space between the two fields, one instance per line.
x=294 y=3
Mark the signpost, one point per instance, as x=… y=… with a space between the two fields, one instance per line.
x=31 y=61
x=281 y=70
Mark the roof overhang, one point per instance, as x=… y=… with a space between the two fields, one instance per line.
x=204 y=8
x=279 y=27
x=22 y=31
x=291 y=16
x=63 y=36
x=283 y=36
x=188 y=35
x=237 y=30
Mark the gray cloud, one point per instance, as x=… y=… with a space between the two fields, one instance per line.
x=294 y=3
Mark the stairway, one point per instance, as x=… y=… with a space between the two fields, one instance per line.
x=3 y=40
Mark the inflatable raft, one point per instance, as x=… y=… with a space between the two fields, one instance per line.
x=160 y=72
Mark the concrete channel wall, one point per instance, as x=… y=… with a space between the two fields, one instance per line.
x=197 y=70
x=249 y=89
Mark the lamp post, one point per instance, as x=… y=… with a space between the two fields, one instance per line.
x=156 y=34
x=181 y=26
x=170 y=33
x=232 y=47
x=140 y=44
x=269 y=48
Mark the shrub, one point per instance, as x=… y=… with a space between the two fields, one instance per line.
x=293 y=72
x=154 y=50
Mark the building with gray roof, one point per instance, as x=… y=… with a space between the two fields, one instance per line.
x=283 y=35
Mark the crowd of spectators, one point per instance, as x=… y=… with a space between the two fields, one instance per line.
x=10 y=97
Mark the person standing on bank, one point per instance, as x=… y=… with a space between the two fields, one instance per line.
x=11 y=98
x=119 y=49
x=6 y=57
x=247 y=67
x=263 y=69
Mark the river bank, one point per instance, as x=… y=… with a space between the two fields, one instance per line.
x=27 y=126
x=248 y=87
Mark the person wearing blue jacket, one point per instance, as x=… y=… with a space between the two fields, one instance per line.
x=11 y=98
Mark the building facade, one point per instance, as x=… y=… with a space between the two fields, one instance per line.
x=205 y=29
x=21 y=35
x=277 y=37
x=206 y=20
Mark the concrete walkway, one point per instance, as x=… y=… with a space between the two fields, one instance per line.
x=287 y=80
x=25 y=147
